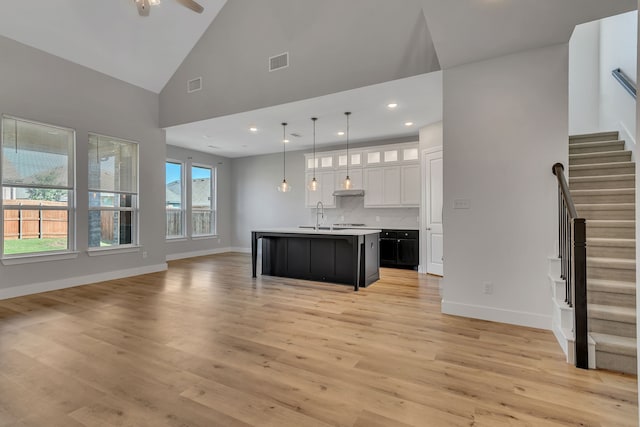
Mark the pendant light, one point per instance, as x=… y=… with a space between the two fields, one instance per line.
x=346 y=184
x=314 y=185
x=284 y=187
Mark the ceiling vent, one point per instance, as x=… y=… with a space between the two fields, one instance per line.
x=194 y=85
x=279 y=61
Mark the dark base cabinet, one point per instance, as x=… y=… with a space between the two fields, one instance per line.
x=319 y=259
x=400 y=249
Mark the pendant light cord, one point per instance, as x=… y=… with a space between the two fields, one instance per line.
x=347 y=114
x=284 y=162
x=314 y=146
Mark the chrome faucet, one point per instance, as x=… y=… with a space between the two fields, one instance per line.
x=319 y=206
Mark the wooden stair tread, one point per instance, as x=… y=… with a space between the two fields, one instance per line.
x=605 y=206
x=600 y=178
x=620 y=263
x=598 y=154
x=612 y=223
x=600 y=166
x=605 y=135
x=615 y=344
x=603 y=191
x=612 y=286
x=612 y=313
x=609 y=241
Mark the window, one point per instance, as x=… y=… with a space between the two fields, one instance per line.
x=113 y=192
x=174 y=200
x=38 y=181
x=203 y=214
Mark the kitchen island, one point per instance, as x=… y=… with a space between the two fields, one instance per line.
x=336 y=256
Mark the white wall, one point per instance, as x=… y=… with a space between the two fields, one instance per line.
x=618 y=49
x=188 y=247
x=505 y=125
x=431 y=136
x=584 y=79
x=597 y=102
x=38 y=86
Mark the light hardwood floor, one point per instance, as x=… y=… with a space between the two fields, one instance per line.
x=205 y=345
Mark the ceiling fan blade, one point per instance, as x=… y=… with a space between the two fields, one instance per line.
x=143 y=7
x=191 y=5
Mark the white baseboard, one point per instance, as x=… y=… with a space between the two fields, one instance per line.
x=243 y=250
x=493 y=314
x=36 y=288
x=193 y=254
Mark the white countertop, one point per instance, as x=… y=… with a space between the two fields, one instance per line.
x=368 y=227
x=298 y=230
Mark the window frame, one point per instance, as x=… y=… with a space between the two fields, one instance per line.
x=213 y=202
x=183 y=199
x=135 y=202
x=71 y=208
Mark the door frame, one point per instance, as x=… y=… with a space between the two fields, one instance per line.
x=422 y=268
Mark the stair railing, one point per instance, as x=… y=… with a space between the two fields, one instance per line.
x=573 y=255
x=625 y=81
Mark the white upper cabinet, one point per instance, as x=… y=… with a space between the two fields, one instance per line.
x=389 y=175
x=410 y=185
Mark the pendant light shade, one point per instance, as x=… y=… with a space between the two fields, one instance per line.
x=346 y=184
x=314 y=185
x=284 y=186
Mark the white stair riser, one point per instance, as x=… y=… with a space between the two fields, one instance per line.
x=597 y=148
x=622 y=156
x=609 y=298
x=616 y=362
x=611 y=232
x=602 y=185
x=604 y=136
x=612 y=327
x=595 y=251
x=613 y=169
x=623 y=275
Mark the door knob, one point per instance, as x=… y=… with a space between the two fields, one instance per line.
x=428 y=228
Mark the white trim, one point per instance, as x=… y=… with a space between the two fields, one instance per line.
x=493 y=314
x=176 y=239
x=629 y=136
x=18 y=291
x=113 y=250
x=40 y=257
x=241 y=250
x=204 y=236
x=194 y=254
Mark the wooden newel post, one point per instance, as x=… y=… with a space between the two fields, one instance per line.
x=580 y=293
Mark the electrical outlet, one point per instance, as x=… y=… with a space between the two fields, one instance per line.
x=488 y=288
x=377 y=219
x=219 y=240
x=144 y=254
x=341 y=217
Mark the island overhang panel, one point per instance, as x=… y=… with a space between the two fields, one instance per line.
x=335 y=256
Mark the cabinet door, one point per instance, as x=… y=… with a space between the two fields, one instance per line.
x=373 y=188
x=312 y=197
x=408 y=252
x=391 y=186
x=388 y=252
x=410 y=191
x=327 y=187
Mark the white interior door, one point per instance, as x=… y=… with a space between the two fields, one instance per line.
x=433 y=197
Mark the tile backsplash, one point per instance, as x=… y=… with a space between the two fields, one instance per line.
x=352 y=210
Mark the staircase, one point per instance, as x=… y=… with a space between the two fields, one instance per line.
x=602 y=183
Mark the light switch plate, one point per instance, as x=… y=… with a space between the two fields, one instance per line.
x=461 y=204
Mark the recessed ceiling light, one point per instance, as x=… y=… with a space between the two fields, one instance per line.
x=408 y=124
x=392 y=105
x=340 y=133
x=286 y=141
x=207 y=136
x=253 y=129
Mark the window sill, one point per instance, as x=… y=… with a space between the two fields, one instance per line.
x=177 y=239
x=205 y=237
x=113 y=251
x=30 y=259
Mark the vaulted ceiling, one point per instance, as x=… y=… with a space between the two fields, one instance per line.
x=109 y=36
